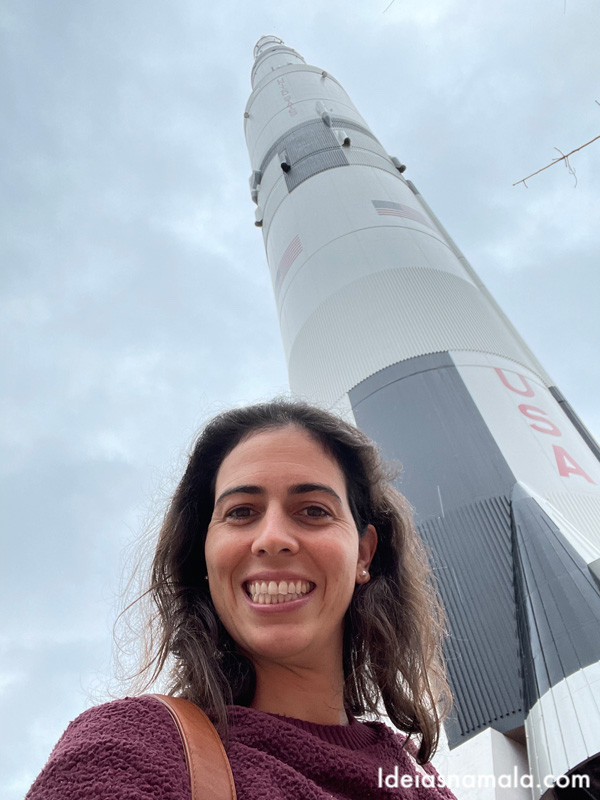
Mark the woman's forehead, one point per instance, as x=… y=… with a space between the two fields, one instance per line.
x=285 y=453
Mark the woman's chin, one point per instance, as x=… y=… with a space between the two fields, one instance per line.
x=286 y=647
x=277 y=648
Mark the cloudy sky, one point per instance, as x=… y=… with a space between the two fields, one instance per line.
x=135 y=297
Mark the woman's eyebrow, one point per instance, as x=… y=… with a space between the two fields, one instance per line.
x=306 y=488
x=299 y=488
x=239 y=490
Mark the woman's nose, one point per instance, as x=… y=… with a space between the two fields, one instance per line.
x=274 y=535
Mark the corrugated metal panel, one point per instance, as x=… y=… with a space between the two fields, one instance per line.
x=313 y=136
x=387 y=317
x=309 y=140
x=302 y=140
x=313 y=164
x=313 y=131
x=474 y=570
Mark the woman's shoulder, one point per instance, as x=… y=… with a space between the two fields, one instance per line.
x=119 y=717
x=122 y=749
x=126 y=721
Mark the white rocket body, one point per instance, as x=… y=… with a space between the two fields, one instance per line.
x=383 y=319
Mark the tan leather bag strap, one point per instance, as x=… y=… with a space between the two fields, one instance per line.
x=208 y=765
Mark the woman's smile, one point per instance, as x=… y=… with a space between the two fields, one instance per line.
x=269 y=590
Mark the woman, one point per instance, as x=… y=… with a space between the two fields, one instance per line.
x=292 y=595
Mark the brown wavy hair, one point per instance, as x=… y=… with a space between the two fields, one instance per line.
x=392 y=652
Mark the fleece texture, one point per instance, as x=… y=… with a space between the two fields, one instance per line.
x=130 y=750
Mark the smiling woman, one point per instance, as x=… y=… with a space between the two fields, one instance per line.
x=292 y=596
x=282 y=520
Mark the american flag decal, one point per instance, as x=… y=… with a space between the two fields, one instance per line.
x=292 y=252
x=385 y=208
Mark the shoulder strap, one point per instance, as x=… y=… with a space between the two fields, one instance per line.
x=208 y=765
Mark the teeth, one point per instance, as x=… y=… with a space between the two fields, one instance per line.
x=277 y=592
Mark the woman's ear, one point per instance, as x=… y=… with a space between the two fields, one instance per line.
x=367 y=544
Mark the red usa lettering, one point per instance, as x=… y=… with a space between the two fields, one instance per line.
x=565 y=463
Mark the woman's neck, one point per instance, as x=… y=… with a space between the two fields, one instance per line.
x=305 y=694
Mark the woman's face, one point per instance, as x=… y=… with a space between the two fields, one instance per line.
x=282 y=549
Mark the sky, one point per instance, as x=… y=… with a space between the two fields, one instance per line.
x=136 y=300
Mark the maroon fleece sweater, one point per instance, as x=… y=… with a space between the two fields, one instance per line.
x=130 y=750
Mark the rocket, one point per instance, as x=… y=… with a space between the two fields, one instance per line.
x=384 y=320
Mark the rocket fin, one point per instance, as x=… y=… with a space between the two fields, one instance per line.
x=558 y=616
x=557 y=599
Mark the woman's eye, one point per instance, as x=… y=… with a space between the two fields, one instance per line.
x=241 y=512
x=316 y=511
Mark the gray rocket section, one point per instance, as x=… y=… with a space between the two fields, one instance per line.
x=384 y=319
